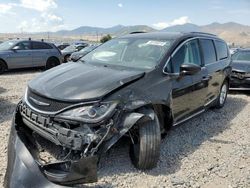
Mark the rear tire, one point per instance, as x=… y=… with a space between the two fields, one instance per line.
x=52 y=62
x=145 y=151
x=3 y=67
x=222 y=96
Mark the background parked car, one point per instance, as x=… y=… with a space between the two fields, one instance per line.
x=77 y=55
x=240 y=79
x=62 y=46
x=66 y=53
x=27 y=53
x=80 y=42
x=233 y=50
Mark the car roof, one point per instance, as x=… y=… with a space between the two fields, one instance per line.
x=25 y=40
x=169 y=35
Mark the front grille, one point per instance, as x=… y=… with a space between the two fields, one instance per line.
x=53 y=106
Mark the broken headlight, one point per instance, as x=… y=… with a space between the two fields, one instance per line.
x=90 y=114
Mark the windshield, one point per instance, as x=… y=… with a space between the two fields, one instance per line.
x=69 y=48
x=129 y=52
x=242 y=56
x=6 y=45
x=88 y=49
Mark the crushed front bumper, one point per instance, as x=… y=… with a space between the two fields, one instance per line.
x=239 y=83
x=24 y=170
x=240 y=80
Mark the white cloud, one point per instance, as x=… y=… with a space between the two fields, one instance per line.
x=23 y=26
x=52 y=18
x=161 y=25
x=179 y=21
x=38 y=5
x=5 y=8
x=120 y=5
x=46 y=22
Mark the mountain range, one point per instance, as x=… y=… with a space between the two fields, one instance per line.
x=122 y=30
x=231 y=32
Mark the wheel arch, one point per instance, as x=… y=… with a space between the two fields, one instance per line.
x=163 y=112
x=5 y=63
x=142 y=113
x=53 y=57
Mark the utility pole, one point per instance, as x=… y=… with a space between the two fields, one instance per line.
x=21 y=32
x=48 y=35
x=97 y=37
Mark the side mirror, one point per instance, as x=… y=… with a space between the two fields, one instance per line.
x=189 y=69
x=16 y=48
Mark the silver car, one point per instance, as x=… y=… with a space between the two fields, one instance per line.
x=27 y=53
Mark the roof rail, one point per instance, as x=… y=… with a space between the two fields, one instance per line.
x=137 y=32
x=202 y=33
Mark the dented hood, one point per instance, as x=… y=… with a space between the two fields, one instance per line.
x=81 y=81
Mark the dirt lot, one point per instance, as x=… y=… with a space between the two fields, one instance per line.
x=212 y=150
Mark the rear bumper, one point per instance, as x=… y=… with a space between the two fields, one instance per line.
x=23 y=170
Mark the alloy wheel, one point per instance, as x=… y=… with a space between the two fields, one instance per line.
x=223 y=94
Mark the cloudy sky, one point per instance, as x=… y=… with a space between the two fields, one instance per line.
x=52 y=15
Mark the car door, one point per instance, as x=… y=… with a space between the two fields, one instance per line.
x=21 y=56
x=188 y=90
x=40 y=52
x=200 y=79
x=213 y=68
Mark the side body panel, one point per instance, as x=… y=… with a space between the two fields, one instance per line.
x=20 y=59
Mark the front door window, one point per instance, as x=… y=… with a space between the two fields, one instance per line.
x=188 y=53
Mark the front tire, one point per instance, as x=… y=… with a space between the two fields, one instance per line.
x=222 y=96
x=145 y=151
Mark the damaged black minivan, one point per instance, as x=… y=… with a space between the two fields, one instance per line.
x=136 y=86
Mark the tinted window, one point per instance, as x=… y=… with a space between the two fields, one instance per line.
x=208 y=51
x=242 y=56
x=80 y=48
x=24 y=45
x=188 y=53
x=221 y=49
x=40 y=45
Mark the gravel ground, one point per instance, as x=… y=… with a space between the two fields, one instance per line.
x=212 y=150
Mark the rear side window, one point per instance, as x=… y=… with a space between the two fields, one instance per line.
x=208 y=51
x=221 y=49
x=40 y=45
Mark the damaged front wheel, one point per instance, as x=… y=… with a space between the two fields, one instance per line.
x=145 y=149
